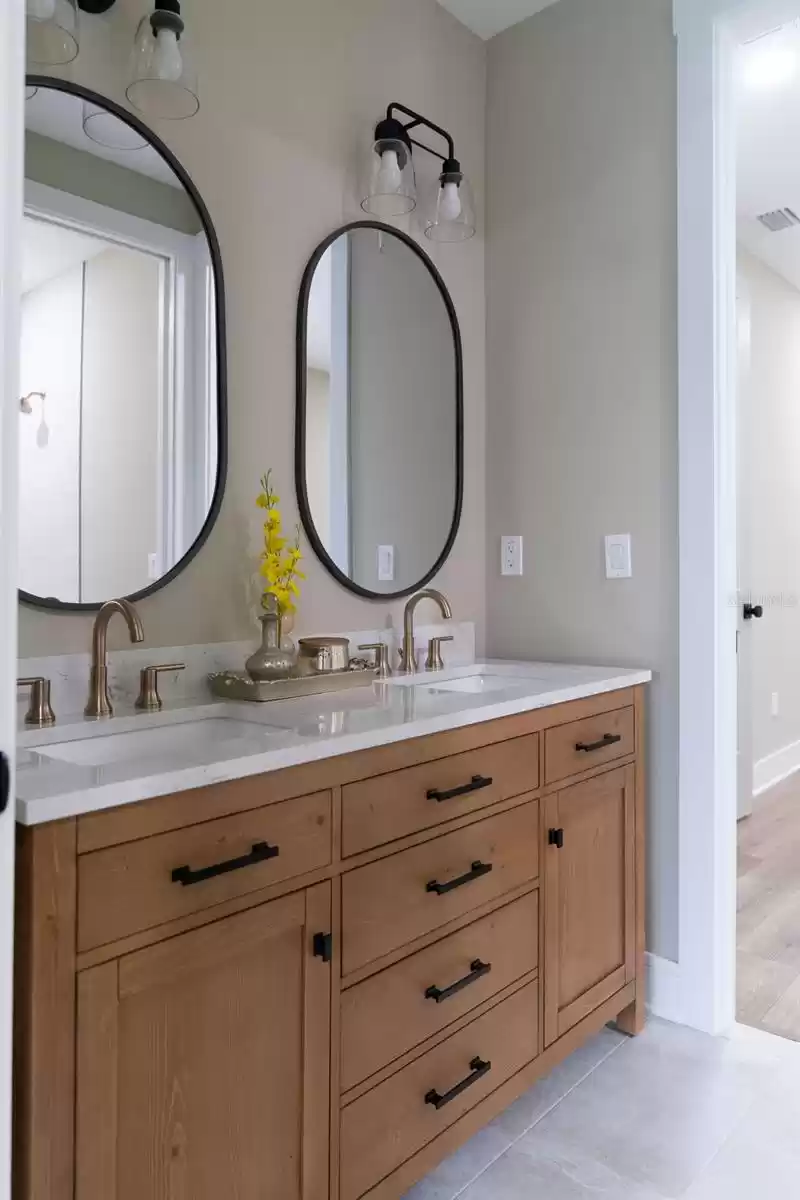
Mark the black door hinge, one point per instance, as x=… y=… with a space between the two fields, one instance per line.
x=556 y=838
x=5 y=782
x=323 y=946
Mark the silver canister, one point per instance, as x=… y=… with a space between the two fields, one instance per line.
x=323 y=655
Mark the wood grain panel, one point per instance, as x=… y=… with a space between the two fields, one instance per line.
x=507 y=1037
x=387 y=904
x=44 y=1013
x=562 y=757
x=128 y=888
x=379 y=810
x=390 y=1013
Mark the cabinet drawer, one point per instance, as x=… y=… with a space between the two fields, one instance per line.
x=133 y=887
x=383 y=1128
x=377 y=811
x=391 y=902
x=389 y=1013
x=569 y=749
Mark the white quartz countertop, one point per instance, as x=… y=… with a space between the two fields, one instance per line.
x=84 y=766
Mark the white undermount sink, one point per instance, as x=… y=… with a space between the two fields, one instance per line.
x=477 y=685
x=138 y=744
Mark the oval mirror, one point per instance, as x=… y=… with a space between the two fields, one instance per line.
x=122 y=421
x=379 y=429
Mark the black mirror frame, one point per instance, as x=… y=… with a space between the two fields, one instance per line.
x=300 y=414
x=51 y=604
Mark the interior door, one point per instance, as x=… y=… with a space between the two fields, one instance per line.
x=11 y=103
x=195 y=1056
x=590 y=885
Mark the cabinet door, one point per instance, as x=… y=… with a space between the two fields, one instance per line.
x=203 y=1062
x=590 y=889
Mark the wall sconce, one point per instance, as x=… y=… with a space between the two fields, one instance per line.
x=391 y=189
x=163 y=83
x=52 y=29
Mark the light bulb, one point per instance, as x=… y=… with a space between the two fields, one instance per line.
x=167 y=60
x=390 y=177
x=450 y=203
x=41 y=10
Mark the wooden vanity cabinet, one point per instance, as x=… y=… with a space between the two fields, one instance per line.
x=407 y=939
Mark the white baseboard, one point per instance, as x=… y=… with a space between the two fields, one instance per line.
x=775 y=767
x=664 y=994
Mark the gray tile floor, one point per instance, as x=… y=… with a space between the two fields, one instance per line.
x=670 y=1114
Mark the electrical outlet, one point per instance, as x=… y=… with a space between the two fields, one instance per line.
x=386 y=564
x=776 y=705
x=511 y=555
x=152 y=567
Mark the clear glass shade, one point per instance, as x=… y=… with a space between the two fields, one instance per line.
x=453 y=219
x=51 y=32
x=390 y=188
x=107 y=130
x=163 y=82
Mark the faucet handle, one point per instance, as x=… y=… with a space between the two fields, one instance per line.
x=40 y=711
x=435 y=662
x=382 y=664
x=149 y=699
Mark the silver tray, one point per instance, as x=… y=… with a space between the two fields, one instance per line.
x=236 y=685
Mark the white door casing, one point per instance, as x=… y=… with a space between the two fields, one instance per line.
x=701 y=991
x=11 y=126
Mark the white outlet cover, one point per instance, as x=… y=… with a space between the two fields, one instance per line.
x=511 y=555
x=618 y=556
x=386 y=564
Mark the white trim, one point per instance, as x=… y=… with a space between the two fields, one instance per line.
x=707 y=499
x=775 y=767
x=12 y=67
x=664 y=992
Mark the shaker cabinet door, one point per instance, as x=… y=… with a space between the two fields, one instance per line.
x=195 y=1056
x=590 y=885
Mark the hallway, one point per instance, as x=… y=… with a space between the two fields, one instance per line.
x=768 y=928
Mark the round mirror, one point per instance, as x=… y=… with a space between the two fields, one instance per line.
x=122 y=413
x=379 y=429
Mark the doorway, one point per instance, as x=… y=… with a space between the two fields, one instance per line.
x=767 y=107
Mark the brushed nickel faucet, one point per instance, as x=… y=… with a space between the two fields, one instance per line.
x=408 y=659
x=99 y=703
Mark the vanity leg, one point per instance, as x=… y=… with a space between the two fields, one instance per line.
x=632 y=1019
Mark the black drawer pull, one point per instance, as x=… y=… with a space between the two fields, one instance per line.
x=477 y=971
x=478 y=870
x=476 y=784
x=556 y=838
x=609 y=739
x=261 y=852
x=478 y=1067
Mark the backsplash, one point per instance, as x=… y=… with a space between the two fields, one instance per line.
x=69 y=673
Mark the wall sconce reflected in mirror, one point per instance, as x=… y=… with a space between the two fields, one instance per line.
x=106 y=129
x=391 y=189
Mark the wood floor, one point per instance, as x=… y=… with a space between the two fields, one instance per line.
x=768 y=934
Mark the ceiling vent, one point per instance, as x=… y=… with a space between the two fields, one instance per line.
x=780 y=219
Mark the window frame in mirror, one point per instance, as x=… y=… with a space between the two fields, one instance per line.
x=301 y=487
x=51 y=603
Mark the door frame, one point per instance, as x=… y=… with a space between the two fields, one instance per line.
x=12 y=77
x=701 y=990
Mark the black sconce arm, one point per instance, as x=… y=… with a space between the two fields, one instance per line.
x=416 y=120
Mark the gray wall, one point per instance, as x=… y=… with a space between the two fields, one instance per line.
x=582 y=361
x=290 y=97
x=70 y=170
x=770 y=478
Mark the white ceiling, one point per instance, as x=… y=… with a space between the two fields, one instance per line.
x=768 y=167
x=488 y=17
x=59 y=115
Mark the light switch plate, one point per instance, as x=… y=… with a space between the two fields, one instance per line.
x=511 y=555
x=386 y=564
x=618 y=556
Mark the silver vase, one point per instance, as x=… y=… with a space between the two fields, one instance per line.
x=272 y=660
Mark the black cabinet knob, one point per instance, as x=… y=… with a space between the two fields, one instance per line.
x=753 y=610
